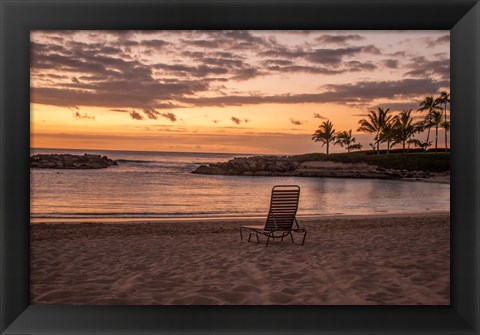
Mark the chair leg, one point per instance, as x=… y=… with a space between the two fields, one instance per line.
x=304 y=236
x=268 y=239
x=249 y=237
x=291 y=236
x=258 y=241
x=241 y=235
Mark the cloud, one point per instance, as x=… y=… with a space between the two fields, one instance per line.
x=170 y=116
x=443 y=39
x=351 y=66
x=235 y=120
x=77 y=115
x=366 y=90
x=332 y=56
x=227 y=40
x=283 y=62
x=371 y=49
x=157 y=44
x=136 y=116
x=398 y=106
x=196 y=71
x=305 y=69
x=113 y=70
x=356 y=66
x=391 y=63
x=359 y=92
x=296 y=122
x=151 y=113
x=338 y=39
x=432 y=42
x=325 y=56
x=422 y=67
x=104 y=74
x=246 y=73
x=284 y=52
x=318 y=116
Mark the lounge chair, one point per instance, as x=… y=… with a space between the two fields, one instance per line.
x=281 y=220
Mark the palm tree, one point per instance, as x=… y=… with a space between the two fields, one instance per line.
x=444 y=99
x=389 y=133
x=416 y=142
x=436 y=118
x=355 y=146
x=428 y=104
x=376 y=123
x=325 y=134
x=446 y=126
x=426 y=123
x=403 y=127
x=344 y=138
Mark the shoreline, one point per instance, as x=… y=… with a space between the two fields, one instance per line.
x=230 y=219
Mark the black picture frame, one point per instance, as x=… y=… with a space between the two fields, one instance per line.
x=19 y=17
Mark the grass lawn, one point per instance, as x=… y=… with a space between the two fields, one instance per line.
x=415 y=161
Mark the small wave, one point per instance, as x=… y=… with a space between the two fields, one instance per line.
x=138 y=214
x=199 y=163
x=134 y=161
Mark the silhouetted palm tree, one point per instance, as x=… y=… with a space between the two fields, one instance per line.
x=376 y=123
x=428 y=104
x=421 y=144
x=444 y=99
x=436 y=118
x=325 y=134
x=345 y=139
x=446 y=126
x=388 y=134
x=404 y=128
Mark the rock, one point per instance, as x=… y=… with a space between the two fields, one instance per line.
x=288 y=166
x=256 y=165
x=210 y=169
x=67 y=161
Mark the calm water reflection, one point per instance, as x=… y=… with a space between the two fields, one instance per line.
x=161 y=185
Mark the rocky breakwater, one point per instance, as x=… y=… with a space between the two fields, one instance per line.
x=289 y=166
x=252 y=166
x=67 y=161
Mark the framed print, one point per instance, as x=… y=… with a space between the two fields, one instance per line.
x=223 y=166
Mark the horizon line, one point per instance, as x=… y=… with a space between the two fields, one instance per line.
x=154 y=151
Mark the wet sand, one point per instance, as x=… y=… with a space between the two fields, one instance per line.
x=379 y=260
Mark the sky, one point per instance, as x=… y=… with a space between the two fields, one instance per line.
x=259 y=92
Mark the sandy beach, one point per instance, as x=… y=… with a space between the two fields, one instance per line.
x=400 y=259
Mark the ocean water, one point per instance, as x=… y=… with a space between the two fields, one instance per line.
x=160 y=185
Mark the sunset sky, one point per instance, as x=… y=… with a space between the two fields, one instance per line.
x=224 y=91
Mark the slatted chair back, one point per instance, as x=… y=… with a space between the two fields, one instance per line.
x=283 y=207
